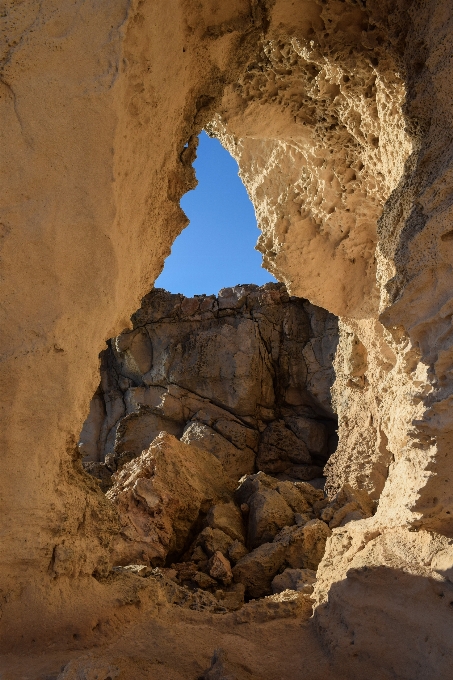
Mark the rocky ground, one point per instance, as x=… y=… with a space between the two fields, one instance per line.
x=209 y=433
x=180 y=515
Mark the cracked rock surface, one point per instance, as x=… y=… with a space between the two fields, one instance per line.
x=180 y=513
x=232 y=375
x=203 y=427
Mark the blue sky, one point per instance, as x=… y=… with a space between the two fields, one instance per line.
x=216 y=249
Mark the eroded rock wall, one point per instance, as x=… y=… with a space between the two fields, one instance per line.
x=339 y=114
x=98 y=102
x=246 y=375
x=368 y=193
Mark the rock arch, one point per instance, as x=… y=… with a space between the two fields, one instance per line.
x=340 y=117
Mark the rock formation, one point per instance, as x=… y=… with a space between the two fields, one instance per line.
x=178 y=513
x=339 y=113
x=243 y=381
x=245 y=375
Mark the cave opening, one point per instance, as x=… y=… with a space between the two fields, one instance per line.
x=232 y=387
x=217 y=249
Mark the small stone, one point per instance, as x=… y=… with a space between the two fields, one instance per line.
x=204 y=581
x=269 y=513
x=257 y=569
x=237 y=551
x=213 y=540
x=220 y=568
x=199 y=555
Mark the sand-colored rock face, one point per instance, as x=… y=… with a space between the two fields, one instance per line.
x=339 y=114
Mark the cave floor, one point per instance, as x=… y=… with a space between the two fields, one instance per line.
x=179 y=646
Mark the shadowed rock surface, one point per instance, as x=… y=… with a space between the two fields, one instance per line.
x=243 y=381
x=245 y=375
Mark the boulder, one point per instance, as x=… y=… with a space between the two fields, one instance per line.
x=236 y=462
x=269 y=512
x=220 y=568
x=241 y=436
x=198 y=555
x=313 y=433
x=294 y=497
x=185 y=571
x=159 y=497
x=227 y=517
x=305 y=545
x=279 y=449
x=301 y=580
x=251 y=483
x=310 y=493
x=214 y=540
x=237 y=551
x=204 y=581
x=257 y=569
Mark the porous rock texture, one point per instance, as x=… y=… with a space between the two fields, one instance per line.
x=340 y=115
